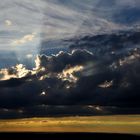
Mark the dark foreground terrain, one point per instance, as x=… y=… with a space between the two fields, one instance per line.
x=65 y=136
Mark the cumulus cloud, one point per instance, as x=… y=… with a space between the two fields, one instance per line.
x=68 y=73
x=25 y=39
x=18 y=71
x=8 y=22
x=64 y=79
x=56 y=63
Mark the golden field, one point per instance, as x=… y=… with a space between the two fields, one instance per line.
x=108 y=124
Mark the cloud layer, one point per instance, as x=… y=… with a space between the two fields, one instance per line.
x=57 y=18
x=77 y=78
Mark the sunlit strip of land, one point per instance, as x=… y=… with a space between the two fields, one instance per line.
x=110 y=124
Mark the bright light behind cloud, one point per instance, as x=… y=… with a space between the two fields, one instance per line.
x=68 y=74
x=106 y=84
x=18 y=71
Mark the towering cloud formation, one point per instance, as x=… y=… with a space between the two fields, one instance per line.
x=78 y=78
x=18 y=71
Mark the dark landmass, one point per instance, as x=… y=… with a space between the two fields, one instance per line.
x=64 y=136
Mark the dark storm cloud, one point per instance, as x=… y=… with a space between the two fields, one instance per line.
x=26 y=90
x=59 y=111
x=58 y=62
x=79 y=78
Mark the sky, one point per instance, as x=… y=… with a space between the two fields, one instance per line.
x=24 y=24
x=37 y=71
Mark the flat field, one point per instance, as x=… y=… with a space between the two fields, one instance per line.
x=108 y=124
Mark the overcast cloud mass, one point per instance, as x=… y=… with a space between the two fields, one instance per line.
x=76 y=55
